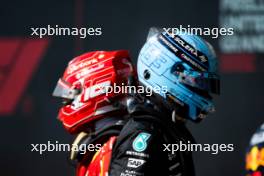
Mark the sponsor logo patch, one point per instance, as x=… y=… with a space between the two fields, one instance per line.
x=140 y=143
x=135 y=163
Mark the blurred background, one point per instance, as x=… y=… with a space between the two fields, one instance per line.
x=30 y=68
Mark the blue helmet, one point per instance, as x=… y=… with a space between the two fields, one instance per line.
x=186 y=66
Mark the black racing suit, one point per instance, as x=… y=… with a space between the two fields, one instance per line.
x=140 y=147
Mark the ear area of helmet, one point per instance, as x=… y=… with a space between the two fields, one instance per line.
x=178 y=70
x=178 y=67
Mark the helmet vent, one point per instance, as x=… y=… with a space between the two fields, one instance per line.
x=146 y=74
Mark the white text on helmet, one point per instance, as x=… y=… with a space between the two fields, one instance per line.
x=73 y=68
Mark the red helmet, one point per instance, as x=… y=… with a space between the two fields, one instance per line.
x=85 y=87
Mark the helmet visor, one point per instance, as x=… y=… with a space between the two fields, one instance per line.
x=64 y=90
x=206 y=81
